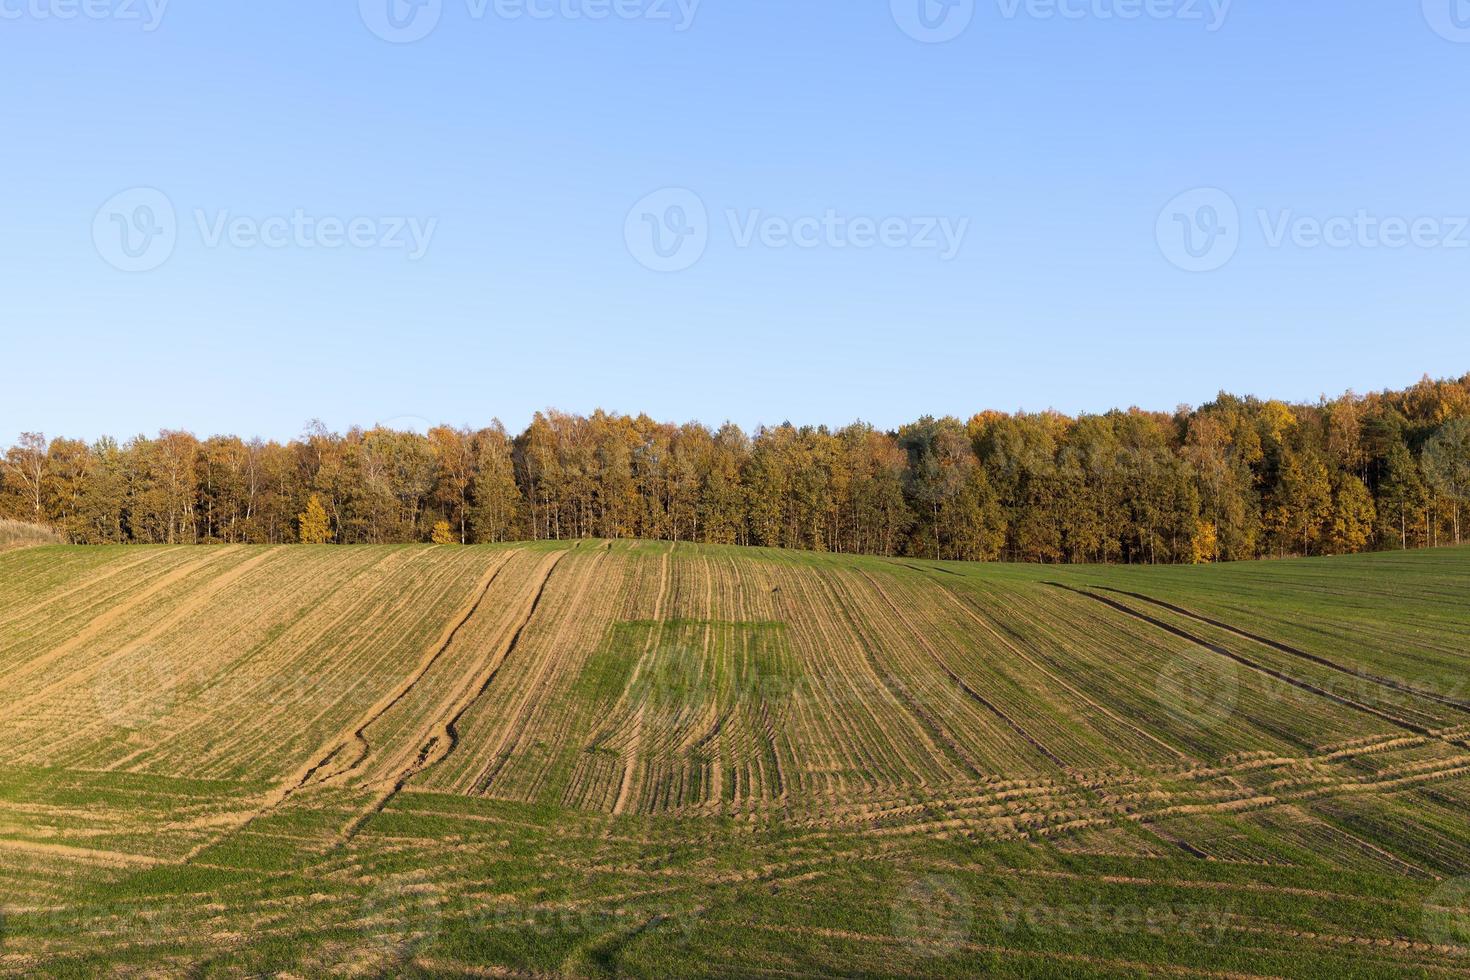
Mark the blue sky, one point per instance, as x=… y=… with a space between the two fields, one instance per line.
x=815 y=150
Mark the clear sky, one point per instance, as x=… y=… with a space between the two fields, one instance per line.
x=757 y=210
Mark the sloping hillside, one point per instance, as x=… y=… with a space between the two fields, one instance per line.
x=634 y=757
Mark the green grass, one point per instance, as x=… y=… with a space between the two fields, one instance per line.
x=704 y=761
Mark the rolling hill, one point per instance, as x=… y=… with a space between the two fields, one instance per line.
x=635 y=758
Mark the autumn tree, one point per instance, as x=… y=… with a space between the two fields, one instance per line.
x=959 y=514
x=68 y=474
x=1204 y=545
x=495 y=510
x=1235 y=479
x=1353 y=515
x=1223 y=449
x=101 y=515
x=25 y=466
x=313 y=525
x=724 y=496
x=1302 y=502
x=454 y=456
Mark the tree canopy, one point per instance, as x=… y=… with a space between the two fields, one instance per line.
x=1238 y=478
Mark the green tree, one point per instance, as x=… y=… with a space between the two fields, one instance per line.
x=1401 y=491
x=1353 y=515
x=1302 y=502
x=1447 y=465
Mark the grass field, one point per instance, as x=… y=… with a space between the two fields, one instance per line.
x=645 y=759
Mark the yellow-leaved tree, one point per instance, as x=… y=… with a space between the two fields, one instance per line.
x=1353 y=516
x=1205 y=547
x=442 y=534
x=313 y=524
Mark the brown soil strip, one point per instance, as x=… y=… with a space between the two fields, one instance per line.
x=632 y=751
x=457 y=969
x=102 y=624
x=630 y=764
x=506 y=749
x=196 y=602
x=85 y=585
x=331 y=750
x=110 y=858
x=385 y=704
x=442 y=744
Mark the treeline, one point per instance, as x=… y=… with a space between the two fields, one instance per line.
x=1236 y=479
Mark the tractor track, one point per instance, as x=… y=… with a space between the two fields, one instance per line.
x=1388 y=682
x=1246 y=661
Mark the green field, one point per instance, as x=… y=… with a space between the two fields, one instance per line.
x=667 y=760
